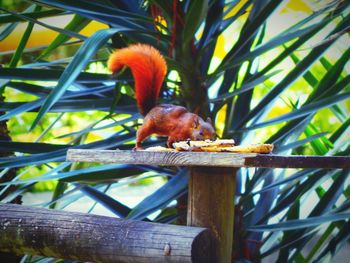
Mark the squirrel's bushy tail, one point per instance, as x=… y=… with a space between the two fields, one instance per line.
x=148 y=68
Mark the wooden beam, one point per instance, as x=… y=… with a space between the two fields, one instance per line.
x=298 y=161
x=211 y=204
x=217 y=159
x=92 y=238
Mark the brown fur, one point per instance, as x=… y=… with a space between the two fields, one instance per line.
x=174 y=122
x=149 y=69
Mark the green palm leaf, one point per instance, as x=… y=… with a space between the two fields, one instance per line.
x=86 y=51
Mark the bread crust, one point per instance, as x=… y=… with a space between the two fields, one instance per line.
x=223 y=145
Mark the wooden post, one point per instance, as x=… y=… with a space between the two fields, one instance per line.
x=211 y=204
x=92 y=238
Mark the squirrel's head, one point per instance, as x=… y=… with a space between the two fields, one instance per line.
x=203 y=130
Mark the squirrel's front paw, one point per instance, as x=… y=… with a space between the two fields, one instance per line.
x=137 y=148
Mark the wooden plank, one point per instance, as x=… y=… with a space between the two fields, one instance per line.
x=159 y=158
x=92 y=238
x=211 y=204
x=298 y=161
x=217 y=159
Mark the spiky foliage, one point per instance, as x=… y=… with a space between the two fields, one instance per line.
x=239 y=84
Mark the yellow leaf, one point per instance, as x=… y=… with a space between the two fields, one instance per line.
x=298 y=6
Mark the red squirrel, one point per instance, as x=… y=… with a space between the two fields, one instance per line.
x=149 y=68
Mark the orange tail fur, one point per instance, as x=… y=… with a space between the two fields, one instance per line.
x=148 y=68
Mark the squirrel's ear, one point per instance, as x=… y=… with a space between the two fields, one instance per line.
x=209 y=121
x=196 y=122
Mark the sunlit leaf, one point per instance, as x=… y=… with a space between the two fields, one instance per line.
x=195 y=15
x=75 y=25
x=113 y=205
x=85 y=52
x=305 y=110
x=302 y=223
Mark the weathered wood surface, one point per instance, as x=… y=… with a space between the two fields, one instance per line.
x=217 y=159
x=211 y=204
x=93 y=238
x=212 y=182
